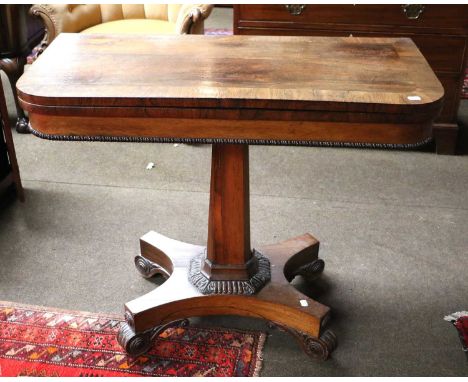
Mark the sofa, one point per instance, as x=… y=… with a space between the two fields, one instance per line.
x=121 y=18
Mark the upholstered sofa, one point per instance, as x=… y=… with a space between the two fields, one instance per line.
x=121 y=18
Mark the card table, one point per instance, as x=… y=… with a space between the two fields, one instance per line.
x=231 y=92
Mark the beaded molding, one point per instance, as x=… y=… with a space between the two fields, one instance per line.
x=271 y=142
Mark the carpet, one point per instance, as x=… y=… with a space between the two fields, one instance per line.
x=460 y=321
x=38 y=341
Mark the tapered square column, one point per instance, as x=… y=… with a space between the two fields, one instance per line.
x=229 y=265
x=229 y=254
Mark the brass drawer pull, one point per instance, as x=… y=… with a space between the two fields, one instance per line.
x=413 y=11
x=295 y=9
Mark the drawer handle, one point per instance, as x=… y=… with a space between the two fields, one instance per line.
x=295 y=9
x=413 y=11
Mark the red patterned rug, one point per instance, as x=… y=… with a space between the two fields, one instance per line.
x=37 y=341
x=460 y=321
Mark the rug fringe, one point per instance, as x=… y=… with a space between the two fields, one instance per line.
x=455 y=316
x=259 y=355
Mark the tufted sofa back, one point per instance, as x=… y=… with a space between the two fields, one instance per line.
x=155 y=18
x=77 y=17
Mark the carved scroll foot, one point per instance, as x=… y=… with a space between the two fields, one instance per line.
x=316 y=347
x=305 y=263
x=148 y=269
x=136 y=344
x=310 y=271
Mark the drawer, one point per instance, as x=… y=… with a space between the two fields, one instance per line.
x=431 y=16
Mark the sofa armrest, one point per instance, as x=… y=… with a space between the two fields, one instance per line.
x=191 y=18
x=70 y=18
x=47 y=13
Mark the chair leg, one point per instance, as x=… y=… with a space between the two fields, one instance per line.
x=14 y=68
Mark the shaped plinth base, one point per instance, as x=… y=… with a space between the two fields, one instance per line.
x=177 y=298
x=246 y=287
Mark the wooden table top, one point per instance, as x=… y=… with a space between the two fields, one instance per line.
x=234 y=89
x=306 y=73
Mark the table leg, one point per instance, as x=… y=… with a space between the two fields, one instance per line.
x=226 y=276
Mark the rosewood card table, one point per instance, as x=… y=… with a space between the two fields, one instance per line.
x=231 y=91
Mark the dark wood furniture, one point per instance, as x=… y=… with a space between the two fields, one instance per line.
x=439 y=31
x=19 y=33
x=9 y=171
x=231 y=91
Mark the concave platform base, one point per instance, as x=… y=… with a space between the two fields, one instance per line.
x=177 y=299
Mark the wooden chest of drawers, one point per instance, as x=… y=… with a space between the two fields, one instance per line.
x=440 y=32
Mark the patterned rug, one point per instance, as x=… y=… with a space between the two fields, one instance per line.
x=460 y=321
x=38 y=341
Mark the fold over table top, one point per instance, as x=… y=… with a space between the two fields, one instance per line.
x=346 y=79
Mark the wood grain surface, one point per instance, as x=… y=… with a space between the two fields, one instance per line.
x=231 y=71
x=251 y=88
x=440 y=31
x=176 y=298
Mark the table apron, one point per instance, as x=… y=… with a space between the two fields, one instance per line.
x=256 y=131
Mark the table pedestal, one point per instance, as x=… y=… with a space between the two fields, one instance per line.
x=227 y=276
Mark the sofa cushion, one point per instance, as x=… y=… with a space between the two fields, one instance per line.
x=134 y=26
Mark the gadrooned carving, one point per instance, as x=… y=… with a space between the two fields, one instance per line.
x=242 y=287
x=270 y=142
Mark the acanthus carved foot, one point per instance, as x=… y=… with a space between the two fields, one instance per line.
x=319 y=348
x=309 y=271
x=148 y=269
x=315 y=347
x=136 y=344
